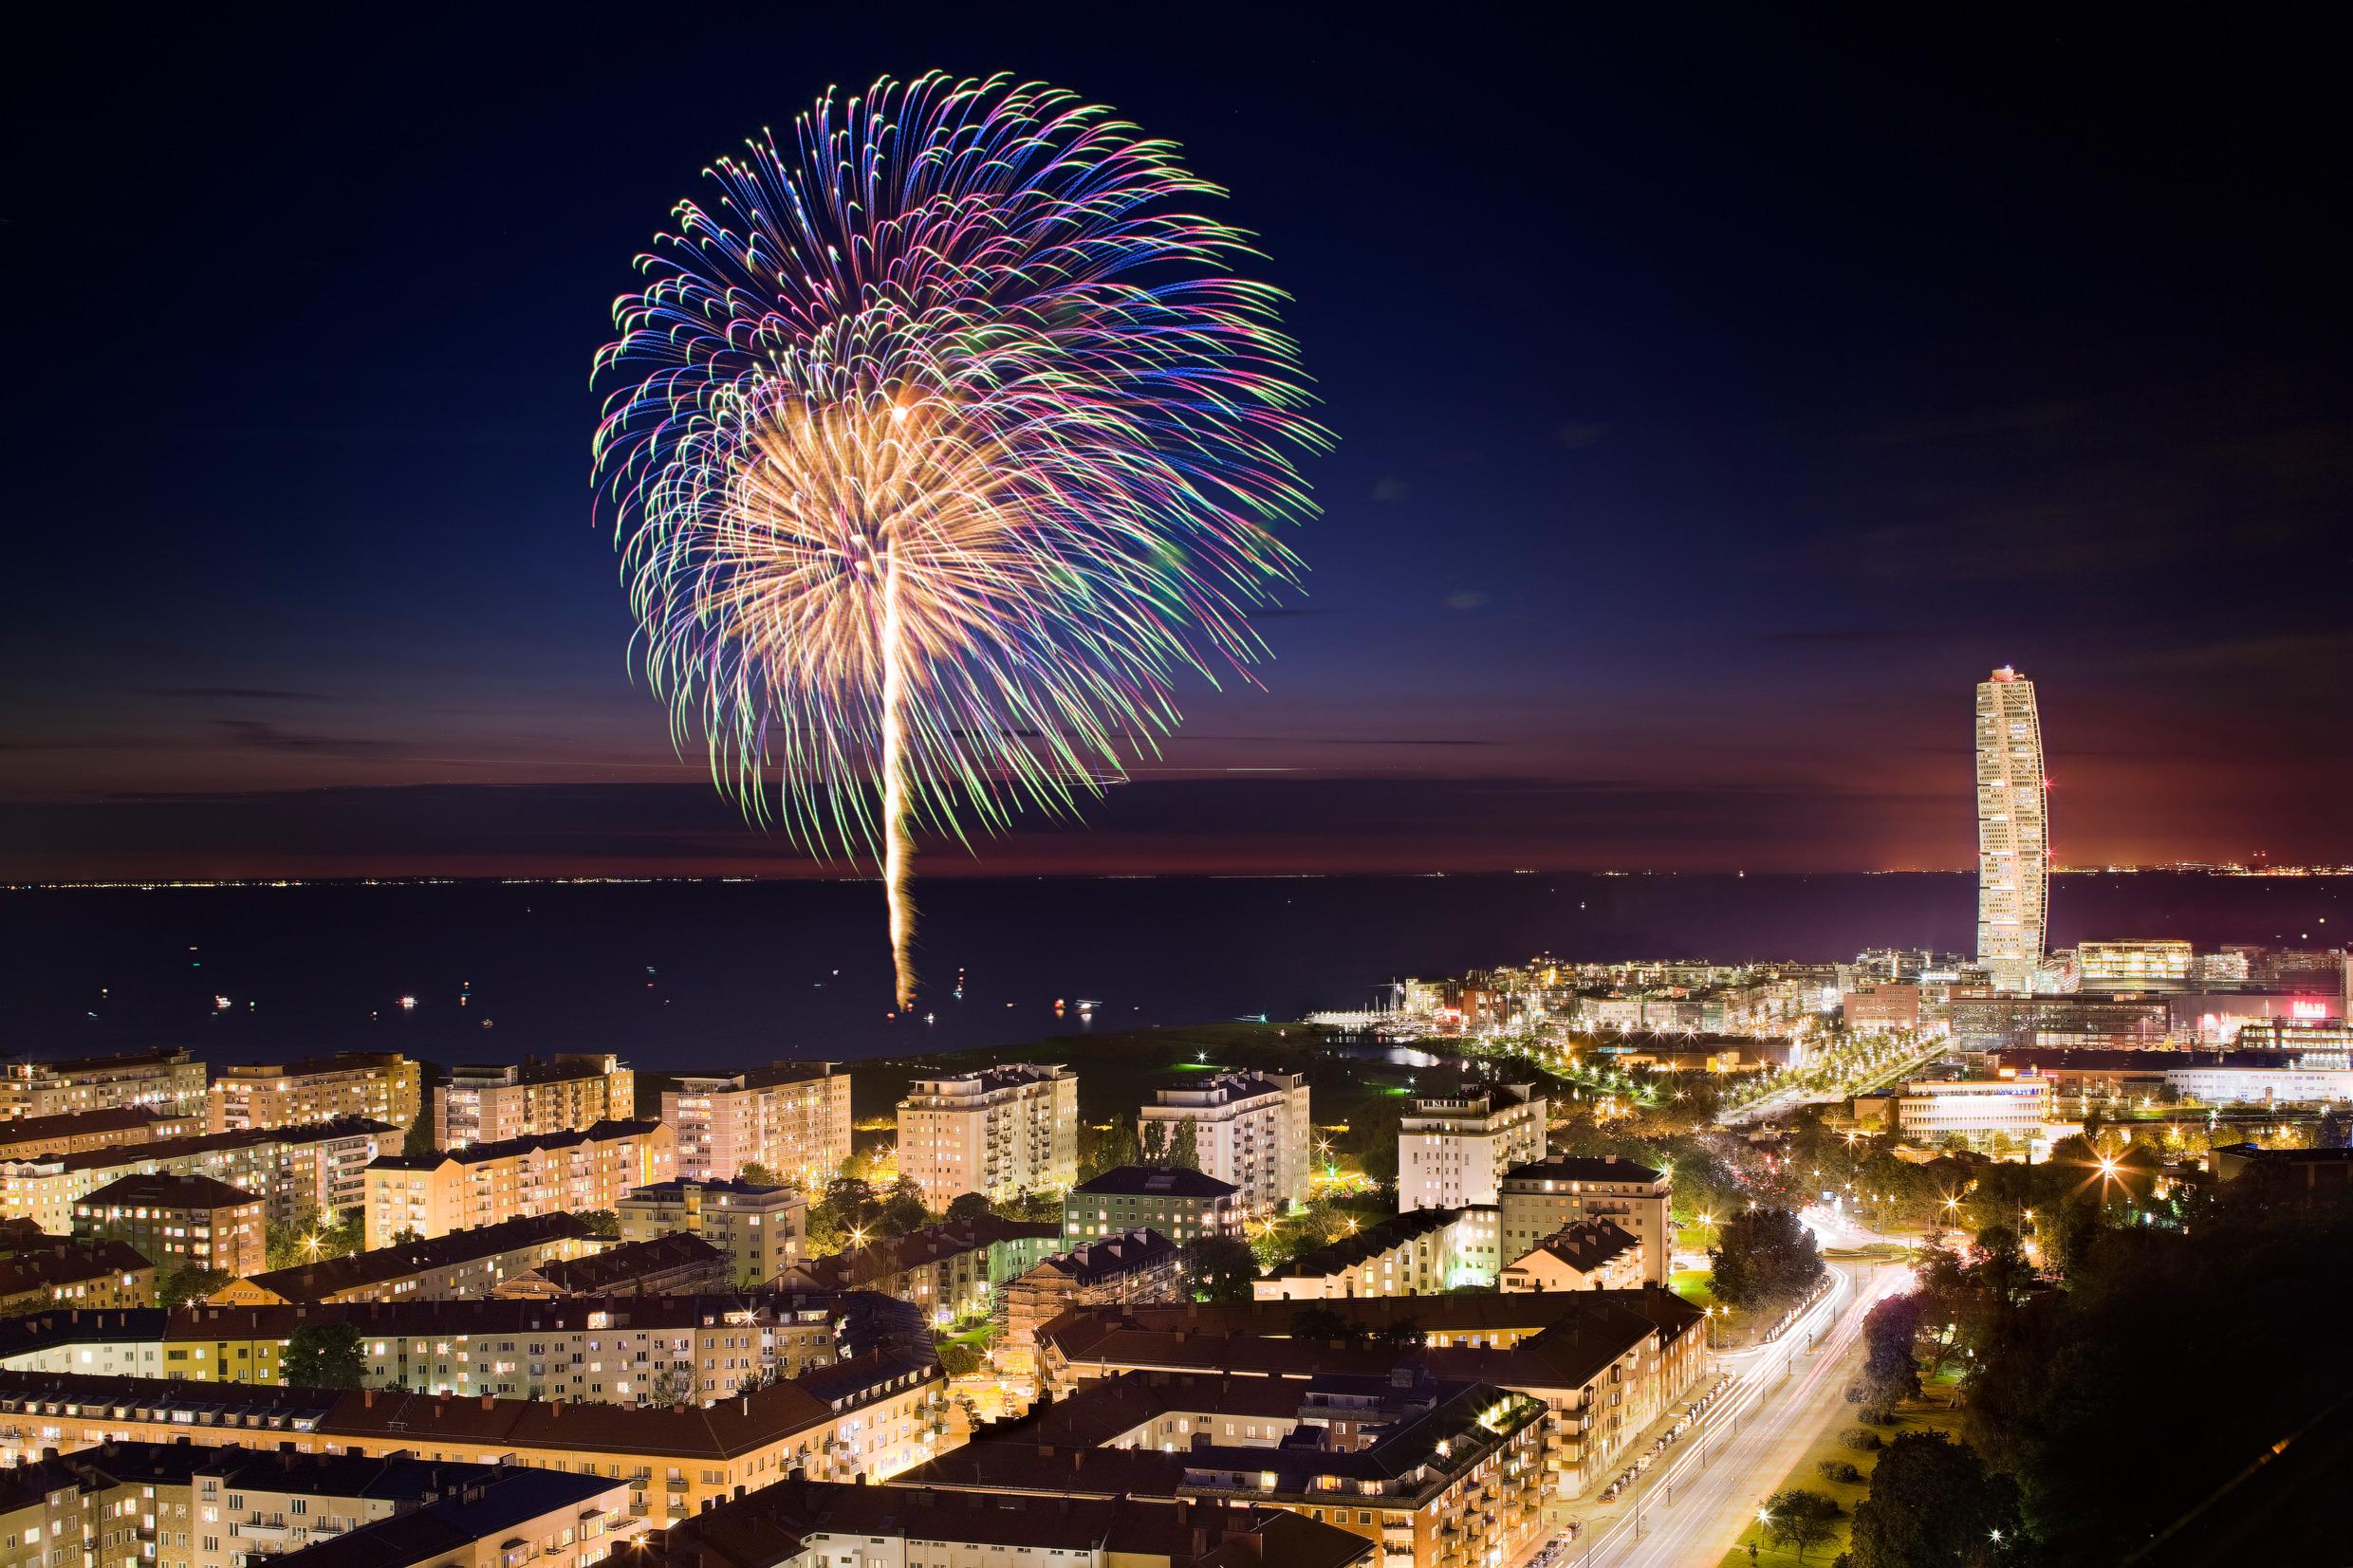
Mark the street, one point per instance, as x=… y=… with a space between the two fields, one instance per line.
x=1692 y=1506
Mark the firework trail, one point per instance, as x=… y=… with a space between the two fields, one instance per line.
x=940 y=447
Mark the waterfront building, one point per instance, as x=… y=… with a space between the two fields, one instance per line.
x=1182 y=1203
x=947 y=1271
x=762 y=1229
x=1459 y=1138
x=165 y=1504
x=1418 y=1252
x=595 y=1168
x=33 y=1138
x=2002 y=1114
x=792 y=1118
x=380 y=1085
x=1250 y=1128
x=498 y=1103
x=1134 y=1265
x=821 y=1524
x=178 y=1222
x=75 y=1274
x=169 y=1082
x=2013 y=831
x=1586 y=1255
x=460 y=1266
x=2145 y=965
x=1542 y=1196
x=1003 y=1131
x=290 y=1169
x=871 y=1417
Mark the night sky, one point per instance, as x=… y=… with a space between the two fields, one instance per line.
x=1717 y=401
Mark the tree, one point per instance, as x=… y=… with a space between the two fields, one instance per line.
x=1156 y=1143
x=672 y=1386
x=1764 y=1259
x=903 y=1209
x=1890 y=1371
x=407 y=1235
x=967 y=1206
x=1932 y=1503
x=310 y=1236
x=324 y=1355
x=1317 y=1322
x=1184 y=1149
x=418 y=1139
x=1219 y=1268
x=758 y=1174
x=958 y=1359
x=185 y=1283
x=1108 y=1148
x=1795 y=1517
x=601 y=1221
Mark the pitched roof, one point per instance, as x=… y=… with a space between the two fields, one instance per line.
x=1586 y=1245
x=631 y=1260
x=896 y=1254
x=1346 y=1253
x=1582 y=1168
x=67 y=1263
x=334 y=1276
x=491 y=1504
x=477 y=1153
x=1155 y=1181
x=206 y=1143
x=1109 y=1257
x=170 y=1192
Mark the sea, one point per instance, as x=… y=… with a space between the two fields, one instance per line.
x=690 y=975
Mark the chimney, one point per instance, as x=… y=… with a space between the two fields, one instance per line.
x=367 y=1398
x=488 y=1403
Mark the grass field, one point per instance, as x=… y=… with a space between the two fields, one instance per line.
x=1691 y=1284
x=1931 y=1415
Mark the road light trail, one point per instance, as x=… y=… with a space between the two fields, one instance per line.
x=1693 y=1509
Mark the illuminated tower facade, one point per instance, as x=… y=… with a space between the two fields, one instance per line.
x=2013 y=831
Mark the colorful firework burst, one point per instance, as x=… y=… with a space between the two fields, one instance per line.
x=944 y=445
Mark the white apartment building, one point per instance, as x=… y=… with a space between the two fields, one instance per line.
x=1457 y=1141
x=1978 y=1110
x=761 y=1228
x=1421 y=1252
x=792 y=1117
x=1251 y=1130
x=496 y=1102
x=1004 y=1131
x=2013 y=831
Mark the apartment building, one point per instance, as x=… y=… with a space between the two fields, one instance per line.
x=1542 y=1196
x=763 y=1230
x=1134 y=1265
x=947 y=1271
x=790 y=1118
x=163 y=1505
x=378 y=1085
x=178 y=1222
x=1182 y=1203
x=871 y=1418
x=1435 y=1473
x=821 y=1525
x=1421 y=1252
x=75 y=1274
x=1460 y=1138
x=1584 y=1255
x=169 y=1082
x=1004 y=1131
x=1249 y=1129
x=460 y=1265
x=499 y=1102
x=1604 y=1363
x=546 y=1173
x=78 y=1133
x=289 y=1168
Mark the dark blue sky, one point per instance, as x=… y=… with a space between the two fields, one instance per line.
x=1717 y=399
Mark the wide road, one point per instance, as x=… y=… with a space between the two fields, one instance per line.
x=1696 y=1500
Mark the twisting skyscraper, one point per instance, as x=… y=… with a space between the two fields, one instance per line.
x=2013 y=831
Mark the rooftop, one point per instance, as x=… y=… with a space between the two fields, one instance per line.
x=159 y=1190
x=1582 y=1168
x=498 y=1500
x=208 y=1143
x=75 y=1124
x=674 y=1190
x=858 y=1266
x=1346 y=1253
x=478 y=1153
x=1589 y=1243
x=618 y=1265
x=335 y=1276
x=1108 y=1257
x=67 y=1263
x=1155 y=1181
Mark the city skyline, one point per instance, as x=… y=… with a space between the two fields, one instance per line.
x=1650 y=445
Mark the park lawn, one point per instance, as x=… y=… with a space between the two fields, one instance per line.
x=1911 y=1417
x=1692 y=1285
